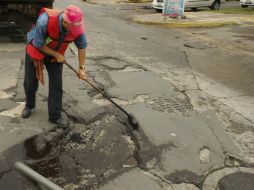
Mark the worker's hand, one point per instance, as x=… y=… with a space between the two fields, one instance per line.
x=82 y=74
x=60 y=58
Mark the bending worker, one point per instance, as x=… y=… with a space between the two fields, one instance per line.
x=47 y=43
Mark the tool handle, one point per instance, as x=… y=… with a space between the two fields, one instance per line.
x=98 y=90
x=36 y=177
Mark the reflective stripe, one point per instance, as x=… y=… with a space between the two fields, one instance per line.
x=48 y=40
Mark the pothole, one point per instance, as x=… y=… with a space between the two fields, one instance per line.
x=84 y=157
x=186 y=176
x=169 y=104
x=112 y=63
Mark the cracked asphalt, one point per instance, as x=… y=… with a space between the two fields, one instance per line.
x=191 y=91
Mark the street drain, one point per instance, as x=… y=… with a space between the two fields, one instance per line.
x=169 y=104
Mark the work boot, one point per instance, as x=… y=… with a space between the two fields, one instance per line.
x=62 y=123
x=26 y=113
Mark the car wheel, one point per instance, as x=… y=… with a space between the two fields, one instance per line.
x=244 y=6
x=215 y=5
x=194 y=9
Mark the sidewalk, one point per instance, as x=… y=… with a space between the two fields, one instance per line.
x=194 y=19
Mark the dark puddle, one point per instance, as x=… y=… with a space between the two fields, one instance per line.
x=86 y=156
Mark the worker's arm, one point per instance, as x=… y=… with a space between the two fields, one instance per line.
x=81 y=44
x=82 y=61
x=59 y=57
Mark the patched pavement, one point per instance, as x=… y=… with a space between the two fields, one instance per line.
x=173 y=145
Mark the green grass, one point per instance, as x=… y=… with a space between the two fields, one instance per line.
x=236 y=10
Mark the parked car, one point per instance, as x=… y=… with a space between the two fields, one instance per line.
x=246 y=3
x=192 y=4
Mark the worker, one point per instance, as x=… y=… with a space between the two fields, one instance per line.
x=47 y=43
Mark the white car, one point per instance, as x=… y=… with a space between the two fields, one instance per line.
x=246 y=3
x=192 y=4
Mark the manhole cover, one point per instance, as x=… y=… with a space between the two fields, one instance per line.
x=169 y=104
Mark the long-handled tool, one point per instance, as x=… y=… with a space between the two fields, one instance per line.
x=131 y=118
x=36 y=177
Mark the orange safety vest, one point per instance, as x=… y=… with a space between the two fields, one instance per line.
x=52 y=36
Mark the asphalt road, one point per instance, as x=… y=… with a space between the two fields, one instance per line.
x=190 y=89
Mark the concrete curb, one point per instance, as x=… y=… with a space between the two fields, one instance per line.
x=193 y=19
x=190 y=24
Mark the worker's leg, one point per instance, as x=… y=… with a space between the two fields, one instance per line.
x=55 y=71
x=30 y=83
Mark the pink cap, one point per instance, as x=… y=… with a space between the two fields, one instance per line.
x=74 y=16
